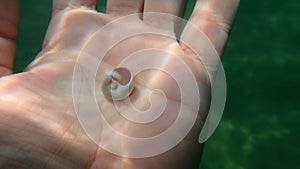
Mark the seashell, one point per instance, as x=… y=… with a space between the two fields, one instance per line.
x=117 y=84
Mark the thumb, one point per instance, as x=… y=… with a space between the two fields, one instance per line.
x=9 y=18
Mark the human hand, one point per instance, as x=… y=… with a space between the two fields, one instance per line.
x=37 y=109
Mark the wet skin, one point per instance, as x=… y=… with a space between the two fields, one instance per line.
x=38 y=124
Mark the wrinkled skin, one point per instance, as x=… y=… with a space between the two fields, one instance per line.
x=38 y=123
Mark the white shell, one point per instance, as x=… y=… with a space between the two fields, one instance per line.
x=117 y=84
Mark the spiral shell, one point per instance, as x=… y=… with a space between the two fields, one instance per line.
x=117 y=84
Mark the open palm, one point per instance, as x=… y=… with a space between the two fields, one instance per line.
x=37 y=106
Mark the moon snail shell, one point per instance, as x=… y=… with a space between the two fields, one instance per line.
x=117 y=84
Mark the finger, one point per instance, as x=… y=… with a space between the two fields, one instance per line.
x=171 y=7
x=7 y=54
x=59 y=5
x=9 y=17
x=214 y=18
x=124 y=7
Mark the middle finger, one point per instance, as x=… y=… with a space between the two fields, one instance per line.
x=171 y=7
x=124 y=7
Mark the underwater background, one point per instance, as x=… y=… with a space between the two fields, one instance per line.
x=260 y=128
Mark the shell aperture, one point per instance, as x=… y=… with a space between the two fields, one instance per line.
x=117 y=84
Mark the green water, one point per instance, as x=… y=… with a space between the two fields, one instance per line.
x=260 y=127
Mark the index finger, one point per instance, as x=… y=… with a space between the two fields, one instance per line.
x=59 y=5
